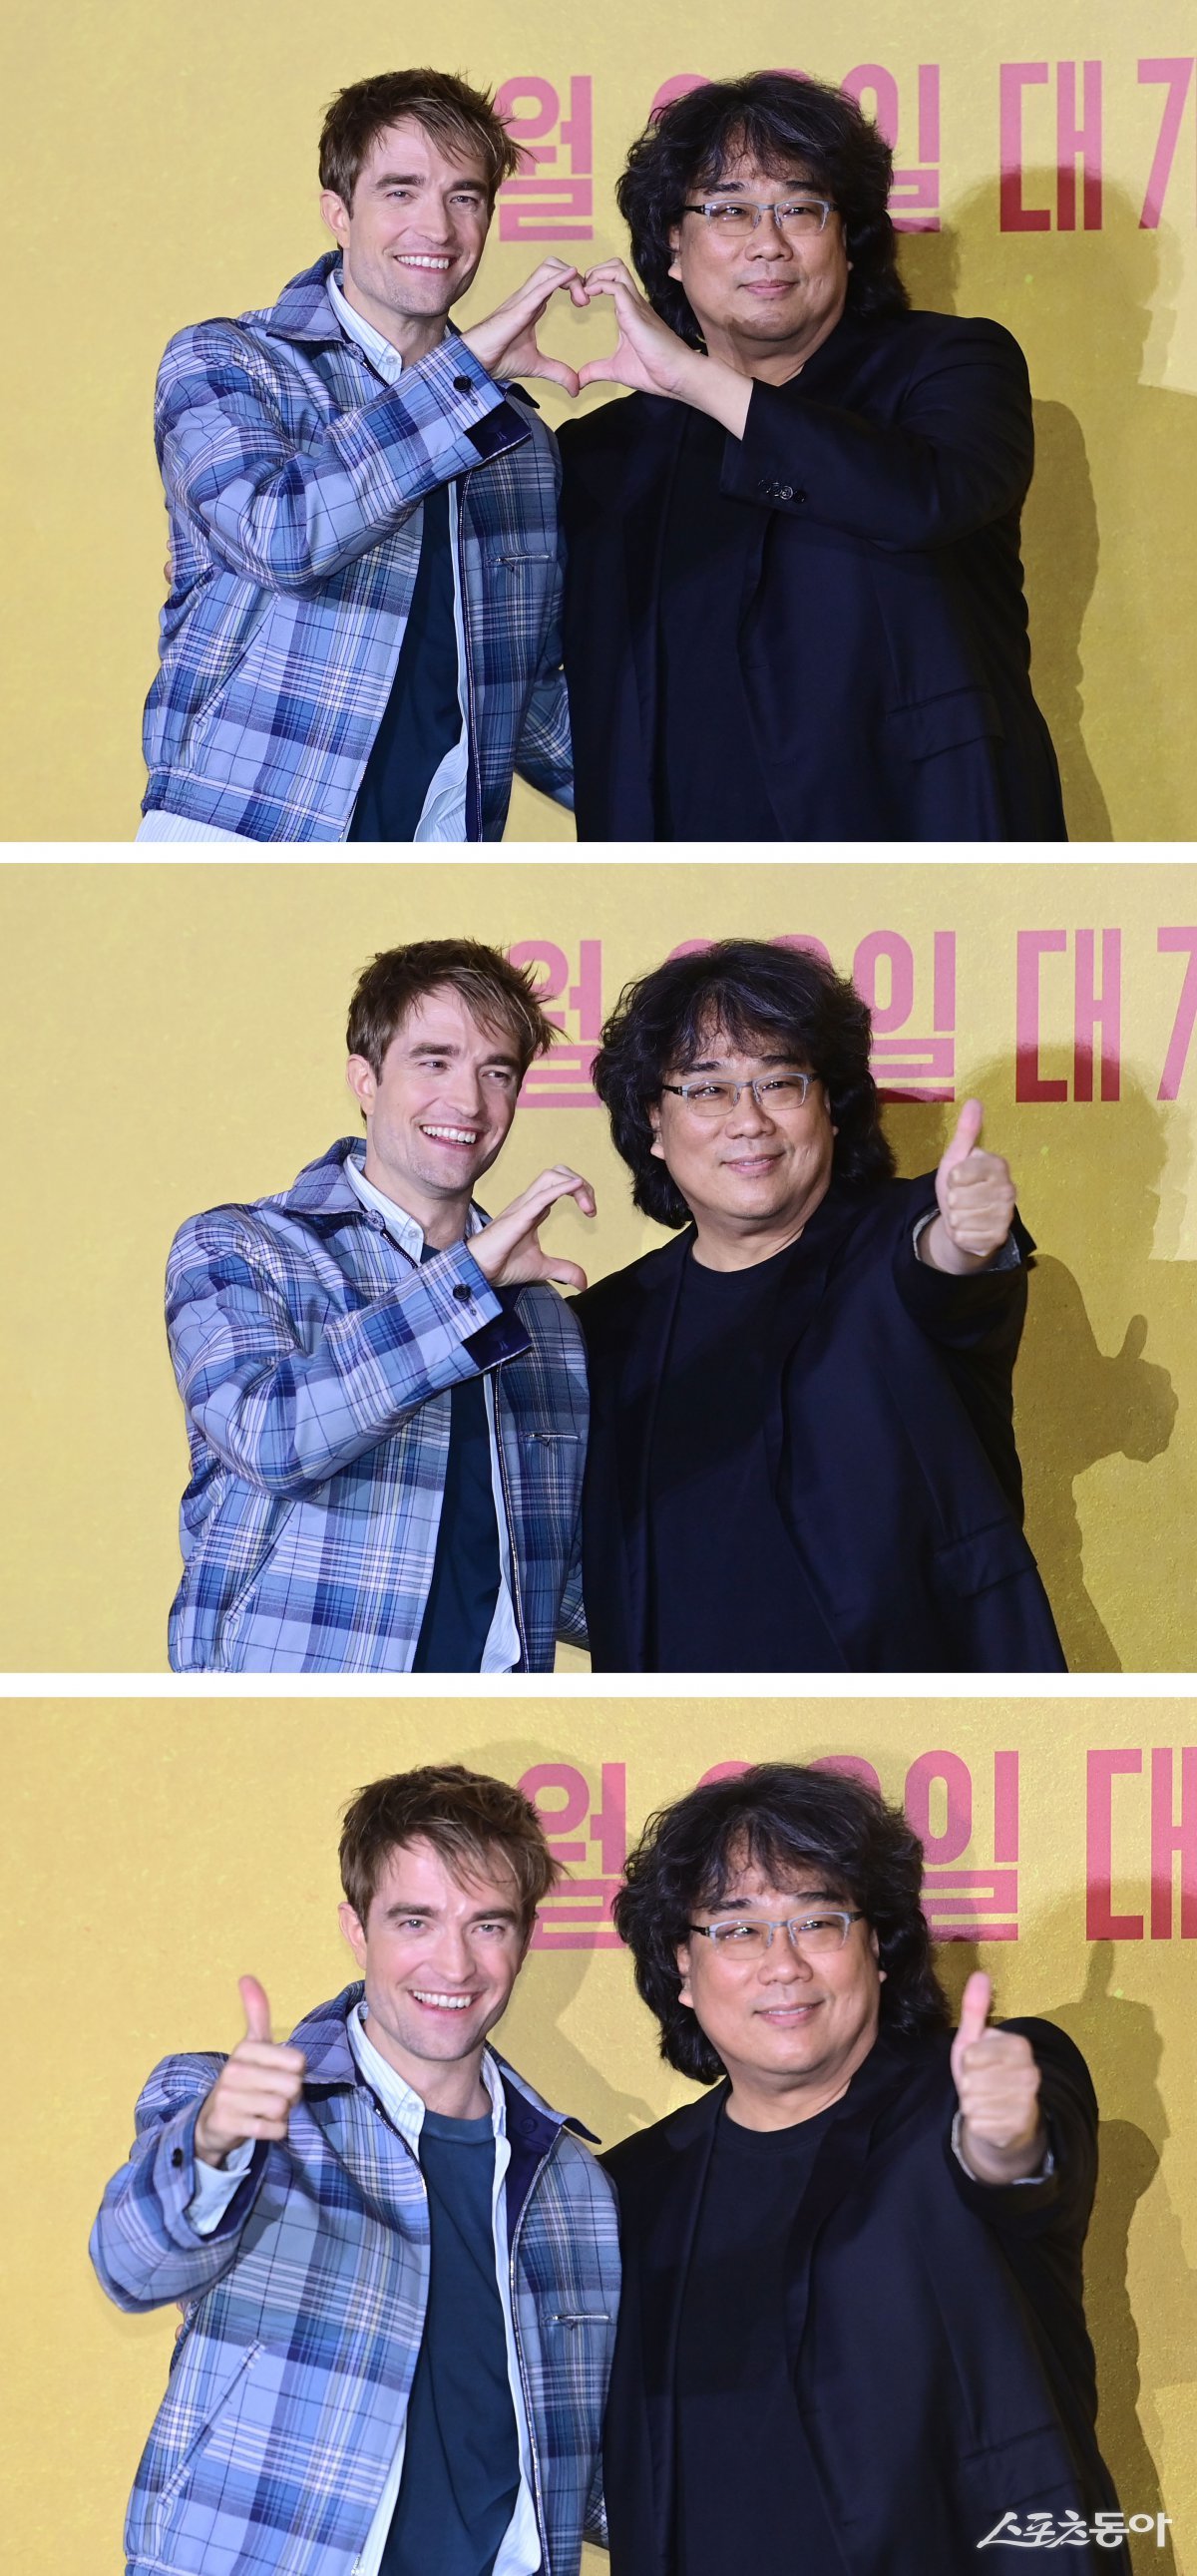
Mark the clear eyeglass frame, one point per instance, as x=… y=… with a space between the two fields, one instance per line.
x=749 y=1937
x=798 y=216
x=714 y=1098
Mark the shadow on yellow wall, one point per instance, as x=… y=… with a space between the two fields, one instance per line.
x=1111 y=569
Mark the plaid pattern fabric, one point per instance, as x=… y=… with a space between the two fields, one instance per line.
x=303 y=2314
x=291 y=478
x=315 y=1363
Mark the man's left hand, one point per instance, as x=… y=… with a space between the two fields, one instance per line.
x=506 y=343
x=997 y=2086
x=976 y=1201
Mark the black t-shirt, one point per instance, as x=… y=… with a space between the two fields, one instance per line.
x=421 y=720
x=708 y=784
x=747 y=2495
x=728 y=1591
x=467 y=1566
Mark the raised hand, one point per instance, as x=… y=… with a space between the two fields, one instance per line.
x=976 y=1198
x=257 y=2088
x=997 y=2087
x=647 y=356
x=509 y=1250
x=506 y=342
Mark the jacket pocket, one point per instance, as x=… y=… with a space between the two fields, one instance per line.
x=145 y=2540
x=940 y=724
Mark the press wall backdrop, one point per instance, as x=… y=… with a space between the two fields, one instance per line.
x=156 y=1851
x=163 y=165
x=173 y=1038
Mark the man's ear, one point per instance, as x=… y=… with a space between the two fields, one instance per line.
x=353 y=1930
x=654 y=1120
x=336 y=215
x=675 y=244
x=683 y=1969
x=363 y=1083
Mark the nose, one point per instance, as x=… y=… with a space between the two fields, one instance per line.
x=783 y=1964
x=748 y=1118
x=454 y=1959
x=768 y=240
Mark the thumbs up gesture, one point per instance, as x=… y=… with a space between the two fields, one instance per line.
x=257 y=2087
x=997 y=2086
x=976 y=1201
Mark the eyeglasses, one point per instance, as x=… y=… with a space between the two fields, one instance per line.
x=738 y=216
x=745 y=1937
x=717 y=1099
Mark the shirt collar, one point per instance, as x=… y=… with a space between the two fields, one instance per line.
x=380 y=352
x=401 y=2104
x=407 y=1234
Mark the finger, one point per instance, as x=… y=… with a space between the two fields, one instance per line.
x=564 y=1274
x=255 y=2007
x=608 y=271
x=555 y=369
x=974 y=2008
x=261 y=2057
x=599 y=371
x=1134 y=1339
x=968 y=1128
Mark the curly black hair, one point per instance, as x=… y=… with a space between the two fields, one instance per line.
x=751 y=989
x=781 y=1816
x=778 y=120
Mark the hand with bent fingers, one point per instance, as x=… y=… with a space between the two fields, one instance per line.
x=509 y=1249
x=647 y=356
x=1002 y=2137
x=255 y=2091
x=506 y=343
x=976 y=1198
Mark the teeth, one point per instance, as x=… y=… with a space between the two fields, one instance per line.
x=456 y=1135
x=413 y=259
x=448 y=2003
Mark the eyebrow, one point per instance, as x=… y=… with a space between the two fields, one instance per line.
x=736 y=187
x=428 y=1913
x=419 y=179
x=449 y=1046
x=718 y=1063
x=809 y=1896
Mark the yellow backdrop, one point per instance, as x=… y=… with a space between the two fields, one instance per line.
x=157 y=1852
x=173 y=1039
x=164 y=168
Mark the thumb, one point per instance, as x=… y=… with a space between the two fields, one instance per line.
x=968 y=1129
x=974 y=2008
x=256 y=2008
x=1134 y=1340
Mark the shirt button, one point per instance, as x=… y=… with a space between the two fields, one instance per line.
x=463 y=384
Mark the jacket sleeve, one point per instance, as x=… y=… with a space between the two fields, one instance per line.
x=1059 y=2204
x=980 y=1315
x=285 y=1417
x=143 y=2246
x=960 y=452
x=544 y=754
x=288 y=517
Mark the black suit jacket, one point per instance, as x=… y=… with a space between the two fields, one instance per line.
x=935 y=2328
x=890 y=1444
x=880 y=617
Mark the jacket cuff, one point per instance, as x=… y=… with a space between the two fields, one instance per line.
x=455 y=410
x=175 y=2184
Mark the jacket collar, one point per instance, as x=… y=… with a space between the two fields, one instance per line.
x=303 y=311
x=324 y=1190
x=323 y=2035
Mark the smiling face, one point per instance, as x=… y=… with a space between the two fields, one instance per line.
x=790 y=2030
x=763 y=300
x=414 y=234
x=752 y=1178
x=439 y=1956
x=438 y=1111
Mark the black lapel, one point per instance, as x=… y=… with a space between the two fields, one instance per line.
x=660 y=425
x=815 y=1255
x=649 y=1325
x=668 y=2205
x=891 y=2066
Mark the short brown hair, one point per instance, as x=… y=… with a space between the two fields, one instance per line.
x=452 y=112
x=498 y=995
x=468 y=1818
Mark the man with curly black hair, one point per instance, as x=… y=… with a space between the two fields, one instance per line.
x=794 y=602
x=852 y=2336
x=802 y=1452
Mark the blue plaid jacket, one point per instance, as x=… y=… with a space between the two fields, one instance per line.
x=303 y=2314
x=291 y=475
x=315 y=1363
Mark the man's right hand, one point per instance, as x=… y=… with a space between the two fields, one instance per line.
x=255 y=2091
x=509 y=1250
x=506 y=342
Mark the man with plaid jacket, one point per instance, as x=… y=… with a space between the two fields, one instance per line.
x=386 y=1398
x=398 y=2271
x=361 y=640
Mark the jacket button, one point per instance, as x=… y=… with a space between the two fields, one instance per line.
x=176 y=2156
x=465 y=1293
x=463 y=384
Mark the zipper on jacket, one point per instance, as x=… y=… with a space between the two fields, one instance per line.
x=529 y=2418
x=513 y=1551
